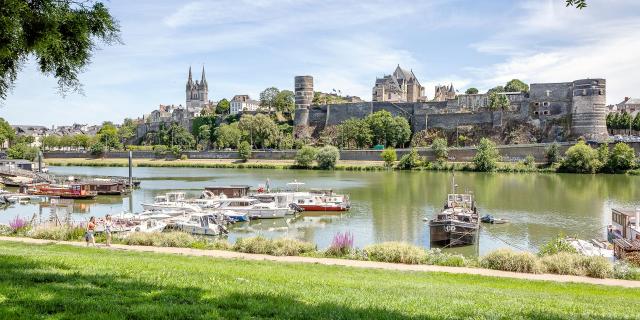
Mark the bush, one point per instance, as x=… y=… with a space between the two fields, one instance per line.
x=437 y=257
x=529 y=161
x=22 y=151
x=487 y=156
x=508 y=260
x=184 y=157
x=396 y=252
x=244 y=150
x=60 y=233
x=556 y=245
x=626 y=271
x=580 y=158
x=159 y=239
x=277 y=247
x=327 y=157
x=563 y=263
x=389 y=156
x=622 y=158
x=552 y=153
x=410 y=160
x=439 y=147
x=596 y=267
x=305 y=156
x=98 y=149
x=160 y=150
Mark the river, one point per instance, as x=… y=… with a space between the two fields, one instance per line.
x=389 y=206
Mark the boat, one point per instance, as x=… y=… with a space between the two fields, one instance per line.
x=234 y=215
x=458 y=223
x=253 y=208
x=64 y=191
x=322 y=200
x=150 y=225
x=490 y=219
x=171 y=201
x=202 y=224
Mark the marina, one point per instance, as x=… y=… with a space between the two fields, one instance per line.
x=384 y=206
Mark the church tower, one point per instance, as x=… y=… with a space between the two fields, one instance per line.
x=197 y=93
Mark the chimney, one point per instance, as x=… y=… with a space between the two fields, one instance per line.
x=626 y=99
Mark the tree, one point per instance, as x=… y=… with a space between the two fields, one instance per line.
x=624 y=121
x=22 y=151
x=228 y=135
x=98 y=149
x=244 y=151
x=7 y=133
x=498 y=101
x=389 y=156
x=285 y=101
x=580 y=4
x=259 y=129
x=305 y=156
x=603 y=155
x=516 y=85
x=49 y=142
x=223 y=106
x=636 y=122
x=552 y=153
x=127 y=130
x=580 y=158
x=609 y=120
x=82 y=141
x=496 y=89
x=487 y=156
x=410 y=160
x=471 y=90
x=108 y=135
x=439 y=147
x=327 y=157
x=268 y=98
x=354 y=133
x=60 y=34
x=387 y=130
x=622 y=158
x=204 y=135
x=177 y=135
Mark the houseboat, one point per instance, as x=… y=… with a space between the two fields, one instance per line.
x=108 y=187
x=624 y=231
x=458 y=223
x=66 y=191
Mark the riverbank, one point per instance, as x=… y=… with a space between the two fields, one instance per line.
x=59 y=279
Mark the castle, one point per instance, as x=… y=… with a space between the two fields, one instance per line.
x=558 y=111
x=400 y=86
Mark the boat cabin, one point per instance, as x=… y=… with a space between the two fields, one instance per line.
x=239 y=202
x=456 y=200
x=625 y=224
x=108 y=187
x=232 y=191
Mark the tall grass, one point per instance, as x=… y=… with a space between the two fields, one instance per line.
x=158 y=239
x=508 y=260
x=59 y=233
x=276 y=247
x=396 y=252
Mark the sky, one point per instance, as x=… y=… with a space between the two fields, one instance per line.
x=249 y=45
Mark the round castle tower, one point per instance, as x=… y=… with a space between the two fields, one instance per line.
x=588 y=117
x=304 y=97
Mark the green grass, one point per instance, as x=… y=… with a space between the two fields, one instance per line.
x=63 y=282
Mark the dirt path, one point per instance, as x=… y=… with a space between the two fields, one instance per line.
x=343 y=262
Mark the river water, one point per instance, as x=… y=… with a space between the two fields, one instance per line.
x=388 y=206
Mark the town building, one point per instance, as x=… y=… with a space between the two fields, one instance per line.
x=629 y=105
x=444 y=93
x=243 y=103
x=401 y=86
x=37 y=132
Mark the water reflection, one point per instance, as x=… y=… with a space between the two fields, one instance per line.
x=390 y=206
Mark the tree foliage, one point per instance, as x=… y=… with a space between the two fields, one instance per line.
x=260 y=129
x=621 y=158
x=22 y=151
x=228 y=135
x=580 y=4
x=285 y=101
x=176 y=135
x=498 y=101
x=268 y=98
x=440 y=150
x=487 y=156
x=244 y=150
x=389 y=156
x=127 y=131
x=354 y=133
x=471 y=90
x=305 y=156
x=581 y=158
x=108 y=136
x=223 y=106
x=410 y=160
x=388 y=130
x=515 y=85
x=7 y=133
x=327 y=157
x=60 y=34
x=552 y=153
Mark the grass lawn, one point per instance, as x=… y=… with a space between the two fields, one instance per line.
x=63 y=282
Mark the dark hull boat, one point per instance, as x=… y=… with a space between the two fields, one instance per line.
x=457 y=224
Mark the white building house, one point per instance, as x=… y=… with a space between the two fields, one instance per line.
x=242 y=103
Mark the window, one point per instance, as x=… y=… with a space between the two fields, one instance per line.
x=545 y=104
x=536 y=113
x=537 y=104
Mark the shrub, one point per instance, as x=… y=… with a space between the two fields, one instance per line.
x=278 y=247
x=160 y=150
x=487 y=156
x=552 y=153
x=18 y=225
x=159 y=239
x=596 y=267
x=305 y=156
x=175 y=151
x=244 y=150
x=219 y=244
x=22 y=151
x=60 y=233
x=529 y=161
x=98 y=149
x=410 y=160
x=341 y=245
x=580 y=158
x=389 y=156
x=556 y=245
x=184 y=157
x=396 y=252
x=327 y=157
x=563 y=263
x=626 y=271
x=508 y=260
x=439 y=147
x=622 y=158
x=437 y=257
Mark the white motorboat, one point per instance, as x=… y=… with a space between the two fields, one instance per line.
x=171 y=201
x=253 y=208
x=201 y=223
x=234 y=215
x=150 y=225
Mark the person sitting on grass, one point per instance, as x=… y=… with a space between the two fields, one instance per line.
x=107 y=229
x=91 y=228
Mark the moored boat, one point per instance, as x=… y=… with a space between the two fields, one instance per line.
x=66 y=191
x=253 y=208
x=458 y=223
x=171 y=201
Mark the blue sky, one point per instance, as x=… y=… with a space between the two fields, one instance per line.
x=248 y=45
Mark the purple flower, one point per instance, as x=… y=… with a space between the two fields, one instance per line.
x=17 y=224
x=342 y=242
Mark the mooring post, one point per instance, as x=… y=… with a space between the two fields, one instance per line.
x=130 y=170
x=39 y=161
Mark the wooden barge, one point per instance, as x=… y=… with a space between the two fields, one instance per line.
x=458 y=223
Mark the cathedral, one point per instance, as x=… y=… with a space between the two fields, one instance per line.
x=197 y=93
x=401 y=86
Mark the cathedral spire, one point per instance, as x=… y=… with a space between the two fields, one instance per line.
x=190 y=79
x=203 y=80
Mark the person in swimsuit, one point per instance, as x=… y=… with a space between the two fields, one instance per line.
x=91 y=228
x=108 y=223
